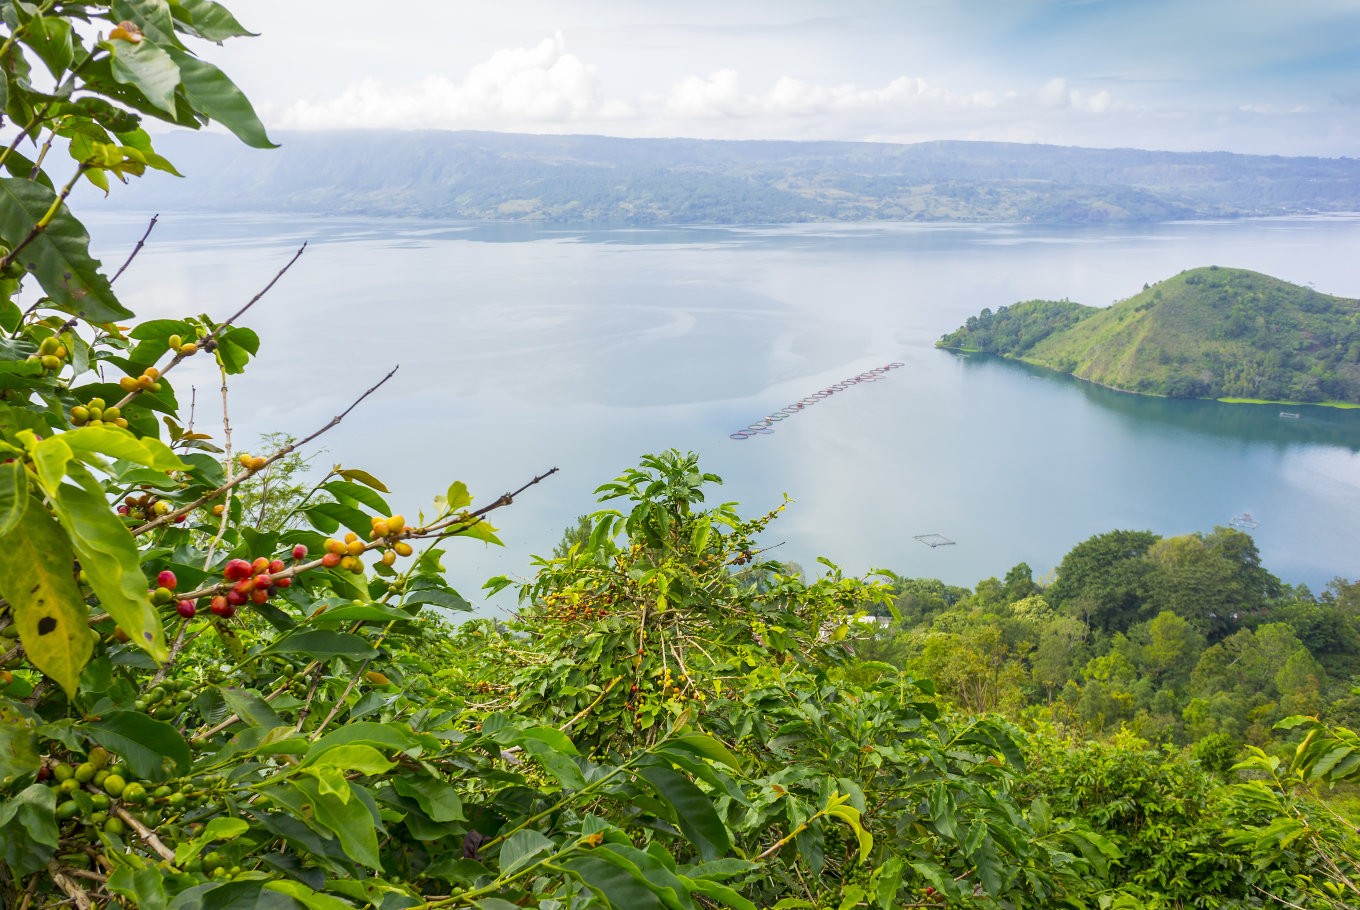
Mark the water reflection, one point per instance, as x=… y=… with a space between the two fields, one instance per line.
x=1257 y=423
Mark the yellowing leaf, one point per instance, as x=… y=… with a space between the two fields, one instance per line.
x=108 y=554
x=37 y=577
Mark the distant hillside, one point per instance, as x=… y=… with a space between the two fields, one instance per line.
x=1206 y=333
x=593 y=179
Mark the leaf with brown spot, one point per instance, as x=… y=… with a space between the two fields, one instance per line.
x=37 y=578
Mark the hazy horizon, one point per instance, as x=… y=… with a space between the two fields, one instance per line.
x=1253 y=77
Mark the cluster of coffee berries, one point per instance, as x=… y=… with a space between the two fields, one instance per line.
x=389 y=530
x=252 y=462
x=344 y=554
x=166 y=699
x=146 y=506
x=674 y=687
x=52 y=354
x=182 y=347
x=564 y=606
x=97 y=413
x=250 y=582
x=149 y=381
x=164 y=593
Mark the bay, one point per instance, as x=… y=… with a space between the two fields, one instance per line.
x=524 y=347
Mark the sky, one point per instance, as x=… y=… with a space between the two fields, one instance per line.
x=1251 y=76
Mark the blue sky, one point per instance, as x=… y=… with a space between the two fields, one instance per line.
x=1244 y=76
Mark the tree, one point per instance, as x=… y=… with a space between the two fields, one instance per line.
x=1170 y=649
x=1104 y=580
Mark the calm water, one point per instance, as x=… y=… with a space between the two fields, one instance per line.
x=522 y=348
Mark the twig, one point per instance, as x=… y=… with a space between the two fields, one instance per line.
x=339 y=703
x=226 y=433
x=307 y=705
x=32 y=887
x=146 y=834
x=588 y=708
x=209 y=341
x=78 y=895
x=233 y=481
x=212 y=336
x=177 y=647
x=136 y=249
x=471 y=518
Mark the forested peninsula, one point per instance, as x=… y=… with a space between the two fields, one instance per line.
x=1209 y=332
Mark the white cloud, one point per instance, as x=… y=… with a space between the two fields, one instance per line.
x=537 y=85
x=545 y=88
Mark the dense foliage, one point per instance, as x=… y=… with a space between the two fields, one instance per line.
x=1180 y=640
x=220 y=688
x=1206 y=333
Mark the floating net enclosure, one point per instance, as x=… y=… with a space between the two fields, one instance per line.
x=934 y=540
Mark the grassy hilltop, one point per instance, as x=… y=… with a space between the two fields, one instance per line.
x=1205 y=333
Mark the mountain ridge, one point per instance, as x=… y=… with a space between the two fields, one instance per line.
x=606 y=180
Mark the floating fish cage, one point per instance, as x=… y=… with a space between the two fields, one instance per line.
x=934 y=540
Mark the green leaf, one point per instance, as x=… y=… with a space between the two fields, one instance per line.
x=143 y=886
x=704 y=746
x=520 y=849
x=212 y=93
x=439 y=597
x=148 y=68
x=313 y=900
x=561 y=765
x=220 y=828
x=235 y=346
x=437 y=799
x=720 y=894
x=323 y=643
x=354 y=493
x=116 y=442
x=108 y=554
x=382 y=736
x=211 y=21
x=350 y=820
x=141 y=741
x=13 y=495
x=250 y=707
x=60 y=255
x=37 y=577
x=152 y=16
x=693 y=811
x=480 y=530
x=18 y=744
x=457 y=497
x=622 y=890
x=352 y=757
x=373 y=612
x=30 y=825
x=50 y=39
x=337 y=514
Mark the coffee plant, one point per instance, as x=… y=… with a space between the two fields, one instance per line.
x=200 y=708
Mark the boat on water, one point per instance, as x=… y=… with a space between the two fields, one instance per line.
x=1246 y=520
x=1289 y=415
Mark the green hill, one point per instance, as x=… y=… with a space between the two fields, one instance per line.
x=1206 y=333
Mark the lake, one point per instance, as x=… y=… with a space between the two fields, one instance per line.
x=525 y=347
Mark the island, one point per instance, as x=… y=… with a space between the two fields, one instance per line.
x=1224 y=333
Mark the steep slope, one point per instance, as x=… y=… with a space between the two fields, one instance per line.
x=1206 y=333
